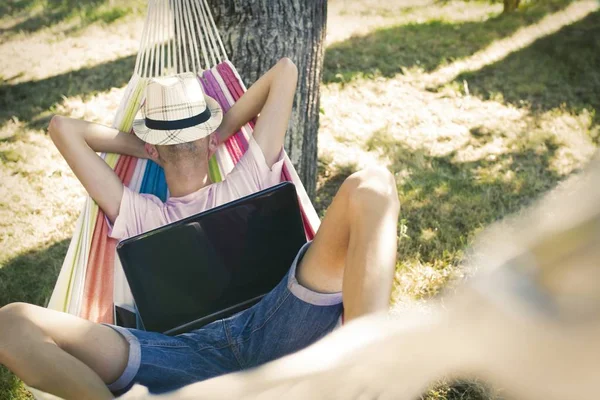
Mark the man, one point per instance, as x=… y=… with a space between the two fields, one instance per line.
x=352 y=256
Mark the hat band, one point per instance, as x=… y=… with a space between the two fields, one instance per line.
x=175 y=124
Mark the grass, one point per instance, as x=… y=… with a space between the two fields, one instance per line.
x=465 y=152
x=21 y=102
x=29 y=16
x=423 y=45
x=572 y=83
x=446 y=202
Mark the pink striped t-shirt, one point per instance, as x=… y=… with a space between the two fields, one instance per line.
x=140 y=213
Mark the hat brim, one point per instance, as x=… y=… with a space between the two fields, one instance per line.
x=178 y=136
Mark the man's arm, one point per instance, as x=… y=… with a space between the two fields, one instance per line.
x=78 y=141
x=272 y=96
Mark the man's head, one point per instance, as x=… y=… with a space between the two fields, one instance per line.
x=195 y=152
x=179 y=121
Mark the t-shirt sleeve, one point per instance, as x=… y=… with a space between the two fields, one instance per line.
x=254 y=169
x=138 y=213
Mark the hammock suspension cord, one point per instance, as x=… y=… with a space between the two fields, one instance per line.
x=179 y=36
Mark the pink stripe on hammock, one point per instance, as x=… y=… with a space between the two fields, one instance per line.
x=233 y=84
x=97 y=295
x=212 y=88
x=310 y=232
x=97 y=302
x=231 y=81
x=239 y=136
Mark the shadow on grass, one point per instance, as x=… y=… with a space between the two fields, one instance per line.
x=560 y=70
x=386 y=52
x=28 y=100
x=446 y=202
x=46 y=13
x=12 y=8
x=30 y=278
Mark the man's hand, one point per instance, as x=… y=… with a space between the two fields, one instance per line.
x=272 y=96
x=78 y=141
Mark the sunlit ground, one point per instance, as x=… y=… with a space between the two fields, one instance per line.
x=476 y=114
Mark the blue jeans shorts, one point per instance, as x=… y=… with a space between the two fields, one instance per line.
x=287 y=319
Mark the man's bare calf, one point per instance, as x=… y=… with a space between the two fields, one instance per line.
x=59 y=353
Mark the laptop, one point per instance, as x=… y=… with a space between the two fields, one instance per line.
x=211 y=265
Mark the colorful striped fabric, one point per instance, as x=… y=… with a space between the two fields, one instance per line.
x=91 y=279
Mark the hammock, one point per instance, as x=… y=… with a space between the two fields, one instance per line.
x=178 y=36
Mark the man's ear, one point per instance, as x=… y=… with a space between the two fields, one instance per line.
x=213 y=143
x=152 y=153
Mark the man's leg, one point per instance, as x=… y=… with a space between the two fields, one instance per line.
x=60 y=353
x=355 y=247
x=353 y=252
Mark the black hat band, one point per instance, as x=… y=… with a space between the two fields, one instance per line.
x=175 y=124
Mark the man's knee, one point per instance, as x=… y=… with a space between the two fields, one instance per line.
x=13 y=312
x=372 y=188
x=13 y=318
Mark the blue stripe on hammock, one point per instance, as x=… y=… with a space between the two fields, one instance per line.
x=154 y=181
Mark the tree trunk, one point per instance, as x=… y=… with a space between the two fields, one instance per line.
x=511 y=5
x=256 y=34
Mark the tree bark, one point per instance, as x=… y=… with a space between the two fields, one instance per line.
x=256 y=34
x=511 y=5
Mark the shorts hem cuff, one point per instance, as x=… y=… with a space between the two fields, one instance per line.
x=305 y=294
x=133 y=361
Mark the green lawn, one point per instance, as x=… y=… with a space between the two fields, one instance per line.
x=34 y=15
x=466 y=150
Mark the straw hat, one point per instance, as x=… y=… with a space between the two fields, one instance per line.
x=176 y=110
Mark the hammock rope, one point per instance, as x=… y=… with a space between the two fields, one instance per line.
x=178 y=36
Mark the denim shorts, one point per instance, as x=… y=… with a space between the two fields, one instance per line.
x=287 y=319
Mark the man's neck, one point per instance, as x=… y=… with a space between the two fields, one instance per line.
x=187 y=178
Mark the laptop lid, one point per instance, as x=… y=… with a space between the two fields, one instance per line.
x=210 y=265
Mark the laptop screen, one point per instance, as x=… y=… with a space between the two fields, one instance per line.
x=214 y=260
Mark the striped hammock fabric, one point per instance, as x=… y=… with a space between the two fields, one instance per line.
x=178 y=36
x=91 y=279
